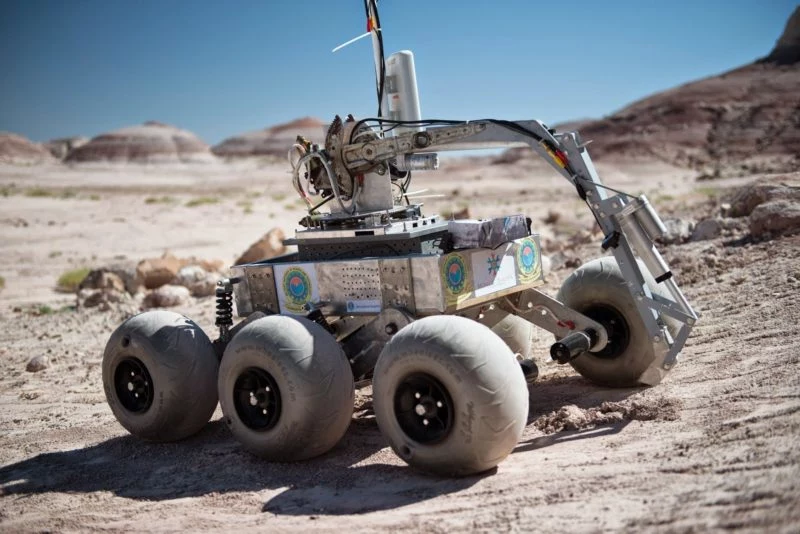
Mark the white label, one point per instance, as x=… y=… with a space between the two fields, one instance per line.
x=493 y=270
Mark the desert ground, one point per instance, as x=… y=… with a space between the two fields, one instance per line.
x=713 y=447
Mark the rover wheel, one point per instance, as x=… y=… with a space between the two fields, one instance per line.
x=449 y=396
x=598 y=290
x=517 y=334
x=159 y=376
x=285 y=388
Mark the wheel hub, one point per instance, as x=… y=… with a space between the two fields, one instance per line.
x=423 y=408
x=133 y=385
x=257 y=399
x=616 y=327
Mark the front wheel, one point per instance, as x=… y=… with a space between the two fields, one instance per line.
x=286 y=388
x=599 y=290
x=449 y=396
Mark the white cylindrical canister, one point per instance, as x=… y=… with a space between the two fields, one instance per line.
x=401 y=90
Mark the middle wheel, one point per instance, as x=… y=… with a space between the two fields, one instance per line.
x=285 y=388
x=449 y=396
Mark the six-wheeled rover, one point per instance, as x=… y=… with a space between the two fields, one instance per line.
x=437 y=314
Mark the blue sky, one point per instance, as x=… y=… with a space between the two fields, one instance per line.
x=82 y=67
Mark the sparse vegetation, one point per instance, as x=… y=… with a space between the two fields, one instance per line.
x=8 y=190
x=159 y=200
x=94 y=197
x=201 y=201
x=707 y=191
x=2 y=283
x=54 y=254
x=38 y=192
x=69 y=281
x=246 y=205
x=278 y=197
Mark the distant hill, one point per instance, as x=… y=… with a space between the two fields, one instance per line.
x=19 y=150
x=151 y=142
x=273 y=141
x=747 y=119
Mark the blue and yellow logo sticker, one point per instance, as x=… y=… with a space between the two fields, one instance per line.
x=297 y=289
x=456 y=275
x=528 y=265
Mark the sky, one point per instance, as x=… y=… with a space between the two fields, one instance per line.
x=84 y=67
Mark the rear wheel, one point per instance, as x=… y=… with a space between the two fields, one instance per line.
x=449 y=396
x=159 y=376
x=286 y=388
x=598 y=290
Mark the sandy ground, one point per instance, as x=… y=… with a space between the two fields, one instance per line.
x=715 y=446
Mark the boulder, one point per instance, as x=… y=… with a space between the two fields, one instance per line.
x=166 y=296
x=101 y=298
x=269 y=246
x=156 y=272
x=102 y=279
x=745 y=199
x=775 y=217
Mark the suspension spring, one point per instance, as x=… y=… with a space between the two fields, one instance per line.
x=224 y=295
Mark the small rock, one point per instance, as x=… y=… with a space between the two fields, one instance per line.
x=775 y=217
x=101 y=298
x=156 y=272
x=102 y=279
x=552 y=217
x=707 y=229
x=725 y=209
x=269 y=246
x=199 y=282
x=572 y=417
x=678 y=231
x=166 y=296
x=38 y=363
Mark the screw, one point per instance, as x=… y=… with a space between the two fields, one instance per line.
x=417 y=395
x=438 y=404
x=264 y=412
x=425 y=422
x=530 y=305
x=656 y=339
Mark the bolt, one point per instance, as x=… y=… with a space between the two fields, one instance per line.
x=136 y=395
x=481 y=316
x=438 y=404
x=133 y=374
x=253 y=400
x=266 y=388
x=264 y=411
x=530 y=305
x=656 y=339
x=425 y=422
x=417 y=395
x=491 y=307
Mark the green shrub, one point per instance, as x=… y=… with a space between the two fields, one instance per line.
x=200 y=201
x=70 y=280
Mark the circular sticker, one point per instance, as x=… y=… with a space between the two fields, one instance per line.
x=296 y=288
x=455 y=273
x=526 y=256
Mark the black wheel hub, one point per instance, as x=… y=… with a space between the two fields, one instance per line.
x=133 y=385
x=257 y=399
x=423 y=408
x=616 y=327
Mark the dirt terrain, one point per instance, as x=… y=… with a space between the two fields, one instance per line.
x=712 y=447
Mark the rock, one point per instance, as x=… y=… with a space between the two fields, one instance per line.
x=552 y=217
x=38 y=363
x=678 y=231
x=102 y=279
x=775 y=217
x=210 y=266
x=151 y=142
x=269 y=246
x=101 y=298
x=166 y=296
x=707 y=229
x=572 y=417
x=199 y=282
x=156 y=272
x=745 y=199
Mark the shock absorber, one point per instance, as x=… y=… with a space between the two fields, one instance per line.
x=224 y=296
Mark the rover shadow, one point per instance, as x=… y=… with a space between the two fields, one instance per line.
x=208 y=462
x=365 y=489
x=570 y=435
